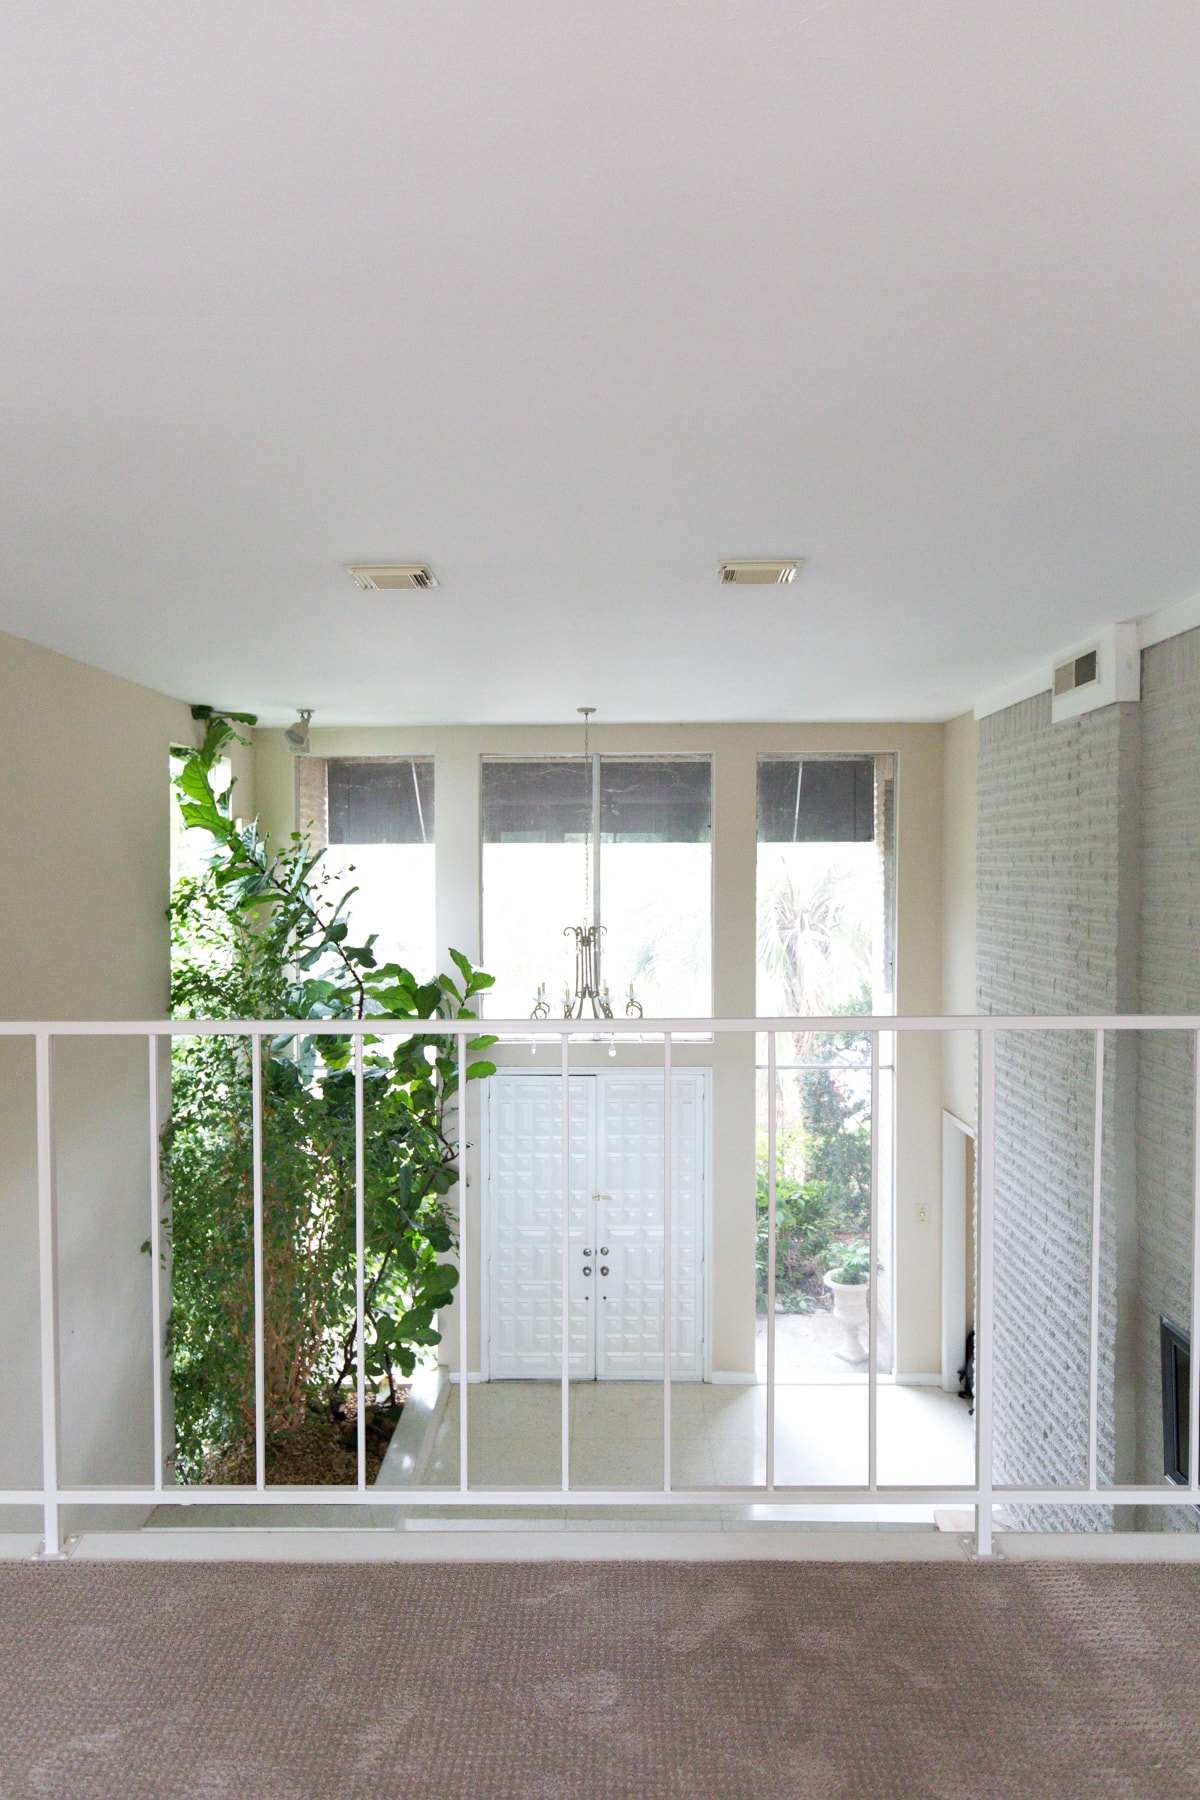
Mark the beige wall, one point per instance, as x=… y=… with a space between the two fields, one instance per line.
x=958 y=954
x=734 y=749
x=84 y=849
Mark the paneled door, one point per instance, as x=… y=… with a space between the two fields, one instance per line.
x=615 y=1246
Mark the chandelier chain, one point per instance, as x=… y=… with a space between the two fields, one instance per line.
x=588 y=820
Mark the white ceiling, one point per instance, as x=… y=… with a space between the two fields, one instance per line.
x=573 y=301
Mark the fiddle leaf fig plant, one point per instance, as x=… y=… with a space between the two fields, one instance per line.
x=263 y=933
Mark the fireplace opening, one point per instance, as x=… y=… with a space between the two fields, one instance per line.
x=1176 y=1397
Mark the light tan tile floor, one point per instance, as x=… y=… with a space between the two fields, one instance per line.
x=718 y=1436
x=718 y=1439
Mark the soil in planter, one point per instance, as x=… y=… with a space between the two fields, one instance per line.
x=322 y=1452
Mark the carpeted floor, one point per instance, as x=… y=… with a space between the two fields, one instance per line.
x=757 y=1681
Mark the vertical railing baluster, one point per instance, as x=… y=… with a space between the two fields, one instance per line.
x=667 y=1283
x=48 y=1290
x=771 y=1203
x=156 y=1321
x=985 y=1292
x=1094 y=1288
x=360 y=1261
x=873 y=1282
x=464 y=1344
x=256 y=1134
x=1193 y=1470
x=565 y=1297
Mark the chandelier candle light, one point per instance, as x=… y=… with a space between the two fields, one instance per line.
x=590 y=997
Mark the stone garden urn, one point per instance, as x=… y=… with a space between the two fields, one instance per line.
x=850 y=1311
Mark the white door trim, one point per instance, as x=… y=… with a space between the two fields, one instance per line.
x=955 y=1201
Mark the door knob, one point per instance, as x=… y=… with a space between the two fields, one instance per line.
x=603 y=1250
x=588 y=1252
x=587 y=1268
x=603 y=1269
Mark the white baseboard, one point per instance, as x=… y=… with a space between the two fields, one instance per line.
x=917 y=1381
x=799 y=1543
x=733 y=1377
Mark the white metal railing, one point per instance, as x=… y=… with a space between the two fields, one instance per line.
x=982 y=1494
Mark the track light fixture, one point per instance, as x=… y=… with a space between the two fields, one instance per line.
x=296 y=736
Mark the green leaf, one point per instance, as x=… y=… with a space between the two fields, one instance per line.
x=462 y=965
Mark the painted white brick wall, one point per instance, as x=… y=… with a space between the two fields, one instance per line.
x=1169 y=982
x=1052 y=937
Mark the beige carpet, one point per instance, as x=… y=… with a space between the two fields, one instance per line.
x=851 y=1682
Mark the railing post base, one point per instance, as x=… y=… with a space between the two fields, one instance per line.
x=54 y=1547
x=982 y=1547
x=975 y=1555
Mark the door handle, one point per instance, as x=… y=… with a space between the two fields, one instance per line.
x=603 y=1250
x=587 y=1269
x=603 y=1269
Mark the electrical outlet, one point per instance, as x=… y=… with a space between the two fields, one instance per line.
x=924 y=1214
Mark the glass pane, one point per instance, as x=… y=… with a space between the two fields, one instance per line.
x=531 y=892
x=380 y=800
x=824 y=886
x=816 y=801
x=657 y=913
x=192 y=846
x=539 y=800
x=822 y=1207
x=656 y=894
x=655 y=801
x=380 y=818
x=394 y=897
x=648 y=879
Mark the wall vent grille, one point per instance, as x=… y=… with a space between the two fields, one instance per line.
x=1077 y=673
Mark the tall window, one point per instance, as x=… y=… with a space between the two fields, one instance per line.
x=191 y=847
x=636 y=834
x=374 y=816
x=825 y=941
x=825 y=947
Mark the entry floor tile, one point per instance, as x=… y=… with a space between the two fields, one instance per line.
x=718 y=1436
x=718 y=1439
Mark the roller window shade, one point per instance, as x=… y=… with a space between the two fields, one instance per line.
x=655 y=800
x=816 y=801
x=380 y=800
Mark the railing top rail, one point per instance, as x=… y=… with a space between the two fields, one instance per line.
x=590 y=1029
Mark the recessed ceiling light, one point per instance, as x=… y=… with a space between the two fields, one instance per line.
x=758 y=571
x=392 y=575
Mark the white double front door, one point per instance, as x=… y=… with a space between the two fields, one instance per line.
x=615 y=1240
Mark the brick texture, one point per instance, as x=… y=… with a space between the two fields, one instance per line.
x=1089 y=901
x=1050 y=938
x=1170 y=982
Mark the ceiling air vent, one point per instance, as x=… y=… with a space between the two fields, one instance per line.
x=757 y=572
x=392 y=575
